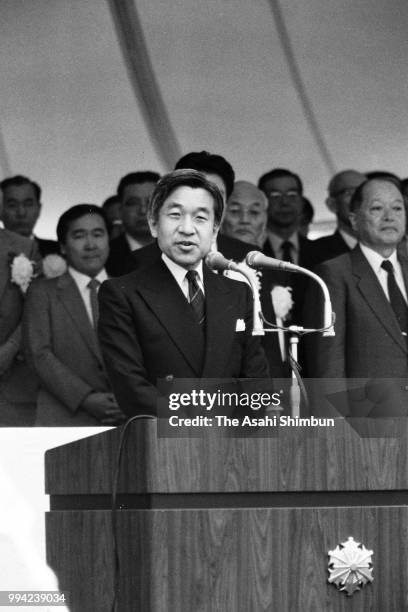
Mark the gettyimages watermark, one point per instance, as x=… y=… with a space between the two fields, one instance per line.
x=262 y=407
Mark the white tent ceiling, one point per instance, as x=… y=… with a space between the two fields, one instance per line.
x=70 y=121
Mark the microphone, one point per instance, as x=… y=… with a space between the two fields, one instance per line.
x=255 y=259
x=217 y=261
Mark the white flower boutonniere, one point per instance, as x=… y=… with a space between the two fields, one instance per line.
x=53 y=265
x=282 y=301
x=22 y=271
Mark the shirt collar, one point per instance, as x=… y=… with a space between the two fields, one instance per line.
x=179 y=272
x=375 y=259
x=276 y=241
x=82 y=280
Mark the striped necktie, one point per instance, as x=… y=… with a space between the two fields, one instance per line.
x=196 y=296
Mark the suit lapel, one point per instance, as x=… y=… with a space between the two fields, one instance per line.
x=166 y=300
x=373 y=294
x=71 y=300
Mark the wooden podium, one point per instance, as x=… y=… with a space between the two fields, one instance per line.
x=224 y=524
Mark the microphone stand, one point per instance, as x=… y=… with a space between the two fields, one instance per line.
x=294 y=330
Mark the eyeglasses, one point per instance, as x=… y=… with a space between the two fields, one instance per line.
x=276 y=196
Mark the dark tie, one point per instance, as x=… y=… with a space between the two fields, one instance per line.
x=286 y=249
x=93 y=291
x=397 y=301
x=196 y=296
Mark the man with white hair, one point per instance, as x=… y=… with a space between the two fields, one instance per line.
x=245 y=218
x=246 y=214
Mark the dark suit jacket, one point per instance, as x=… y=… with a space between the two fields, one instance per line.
x=47 y=247
x=237 y=250
x=18 y=386
x=368 y=344
x=234 y=249
x=119 y=252
x=62 y=347
x=147 y=332
x=326 y=248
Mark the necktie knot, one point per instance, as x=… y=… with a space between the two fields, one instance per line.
x=93 y=284
x=192 y=276
x=387 y=266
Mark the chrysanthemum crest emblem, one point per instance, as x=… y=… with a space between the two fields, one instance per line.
x=350 y=566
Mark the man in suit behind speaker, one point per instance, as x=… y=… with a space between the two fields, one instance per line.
x=341 y=189
x=174 y=318
x=134 y=191
x=368 y=288
x=60 y=317
x=21 y=209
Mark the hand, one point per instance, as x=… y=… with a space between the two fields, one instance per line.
x=103 y=407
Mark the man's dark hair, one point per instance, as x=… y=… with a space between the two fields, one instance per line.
x=358 y=195
x=17 y=181
x=136 y=178
x=179 y=178
x=114 y=199
x=72 y=214
x=211 y=164
x=277 y=173
x=384 y=174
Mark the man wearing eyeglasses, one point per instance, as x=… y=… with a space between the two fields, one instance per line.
x=341 y=189
x=284 y=191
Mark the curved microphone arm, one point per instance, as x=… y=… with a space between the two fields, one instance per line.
x=217 y=261
x=255 y=259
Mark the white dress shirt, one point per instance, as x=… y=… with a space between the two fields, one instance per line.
x=81 y=281
x=375 y=260
x=179 y=274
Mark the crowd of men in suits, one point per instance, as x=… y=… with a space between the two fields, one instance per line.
x=131 y=301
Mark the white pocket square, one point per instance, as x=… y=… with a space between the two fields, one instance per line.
x=240 y=325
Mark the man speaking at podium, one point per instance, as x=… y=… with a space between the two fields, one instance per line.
x=175 y=318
